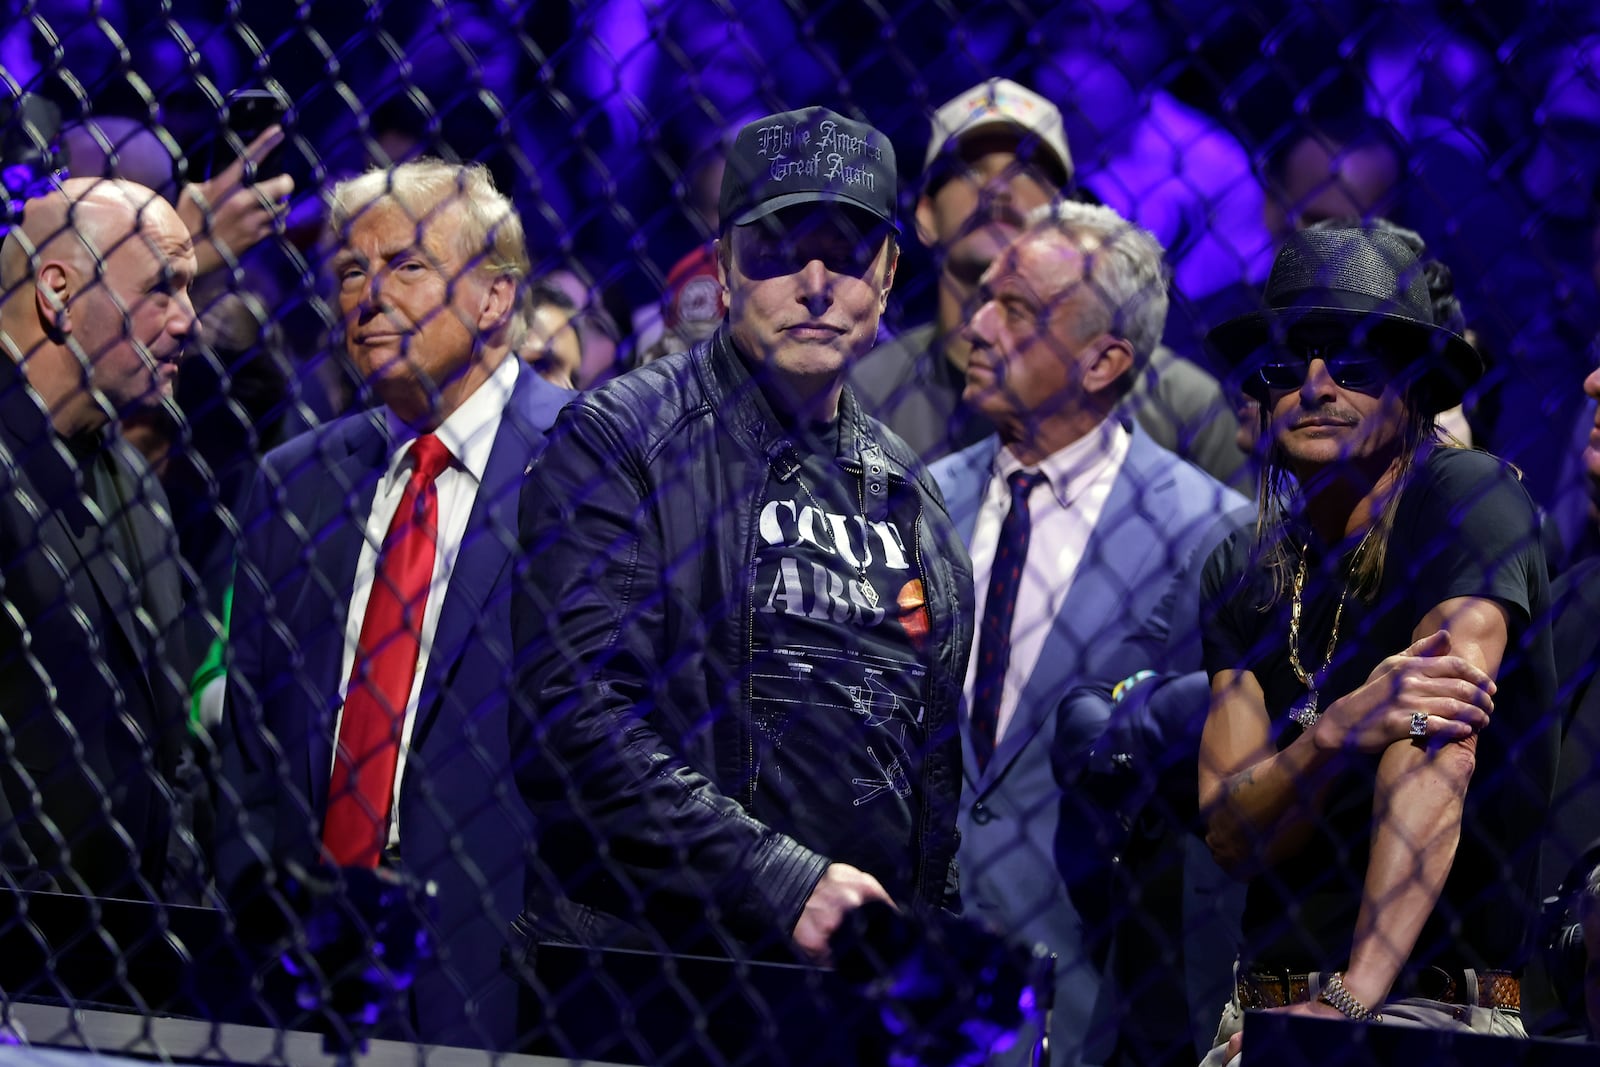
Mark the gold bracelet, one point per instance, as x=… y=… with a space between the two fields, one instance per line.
x=1335 y=995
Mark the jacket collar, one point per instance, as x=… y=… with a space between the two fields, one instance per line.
x=733 y=392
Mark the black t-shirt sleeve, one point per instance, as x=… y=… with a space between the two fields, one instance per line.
x=1474 y=533
x=1224 y=612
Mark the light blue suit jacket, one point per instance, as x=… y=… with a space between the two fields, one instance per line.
x=1161 y=519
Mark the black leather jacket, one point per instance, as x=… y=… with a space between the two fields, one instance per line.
x=632 y=626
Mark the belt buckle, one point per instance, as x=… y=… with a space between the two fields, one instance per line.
x=1436 y=984
x=1259 y=991
x=1452 y=992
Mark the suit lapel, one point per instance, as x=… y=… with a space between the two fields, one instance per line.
x=963 y=478
x=488 y=544
x=86 y=533
x=1124 y=540
x=331 y=506
x=168 y=668
x=332 y=511
x=155 y=540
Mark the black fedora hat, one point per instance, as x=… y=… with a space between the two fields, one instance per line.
x=1366 y=281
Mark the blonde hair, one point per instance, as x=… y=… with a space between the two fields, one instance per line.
x=489 y=235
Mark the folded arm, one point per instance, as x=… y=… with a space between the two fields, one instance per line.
x=1260 y=804
x=1417 y=805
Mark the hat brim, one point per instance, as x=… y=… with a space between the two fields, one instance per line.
x=810 y=196
x=997 y=122
x=1455 y=365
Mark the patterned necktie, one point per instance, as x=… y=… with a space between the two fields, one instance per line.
x=994 y=636
x=355 y=829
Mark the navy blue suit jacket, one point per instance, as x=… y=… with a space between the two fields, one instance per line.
x=462 y=822
x=1161 y=514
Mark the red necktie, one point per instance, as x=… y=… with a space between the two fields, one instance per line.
x=355 y=829
x=994 y=635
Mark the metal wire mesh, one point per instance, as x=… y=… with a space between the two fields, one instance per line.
x=602 y=835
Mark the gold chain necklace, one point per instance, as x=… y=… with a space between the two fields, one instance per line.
x=1305 y=711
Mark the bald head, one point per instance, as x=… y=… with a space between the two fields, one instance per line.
x=95 y=300
x=84 y=221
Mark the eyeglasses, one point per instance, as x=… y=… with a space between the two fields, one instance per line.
x=1350 y=368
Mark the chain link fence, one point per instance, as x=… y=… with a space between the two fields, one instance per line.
x=647 y=712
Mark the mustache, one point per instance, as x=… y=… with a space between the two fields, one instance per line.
x=1328 y=413
x=1332 y=413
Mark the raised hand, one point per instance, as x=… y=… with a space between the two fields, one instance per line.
x=228 y=217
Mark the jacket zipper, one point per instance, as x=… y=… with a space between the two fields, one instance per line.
x=920 y=882
x=747 y=712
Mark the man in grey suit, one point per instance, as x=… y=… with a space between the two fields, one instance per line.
x=1086 y=537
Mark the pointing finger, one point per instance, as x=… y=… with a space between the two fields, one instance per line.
x=256 y=151
x=265 y=142
x=275 y=189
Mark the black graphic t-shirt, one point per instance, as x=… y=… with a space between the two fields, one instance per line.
x=839 y=668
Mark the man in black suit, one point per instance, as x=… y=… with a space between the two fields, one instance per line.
x=94 y=316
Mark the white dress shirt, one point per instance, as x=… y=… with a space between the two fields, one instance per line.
x=469 y=434
x=1063 y=511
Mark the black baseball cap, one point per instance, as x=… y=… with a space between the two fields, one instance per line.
x=809 y=156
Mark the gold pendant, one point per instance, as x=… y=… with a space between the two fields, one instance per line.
x=1304 y=711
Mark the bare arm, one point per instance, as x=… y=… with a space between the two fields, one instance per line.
x=1418 y=794
x=1260 y=804
x=1417 y=805
x=1254 y=800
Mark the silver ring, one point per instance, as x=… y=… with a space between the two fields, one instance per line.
x=1419 y=724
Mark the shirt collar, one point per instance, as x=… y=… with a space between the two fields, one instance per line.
x=1071 y=470
x=470 y=430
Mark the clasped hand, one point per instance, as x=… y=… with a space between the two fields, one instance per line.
x=1456 y=696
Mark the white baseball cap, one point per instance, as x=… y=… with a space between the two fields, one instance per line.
x=1000 y=102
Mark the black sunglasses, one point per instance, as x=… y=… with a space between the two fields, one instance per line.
x=766 y=252
x=1350 y=368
